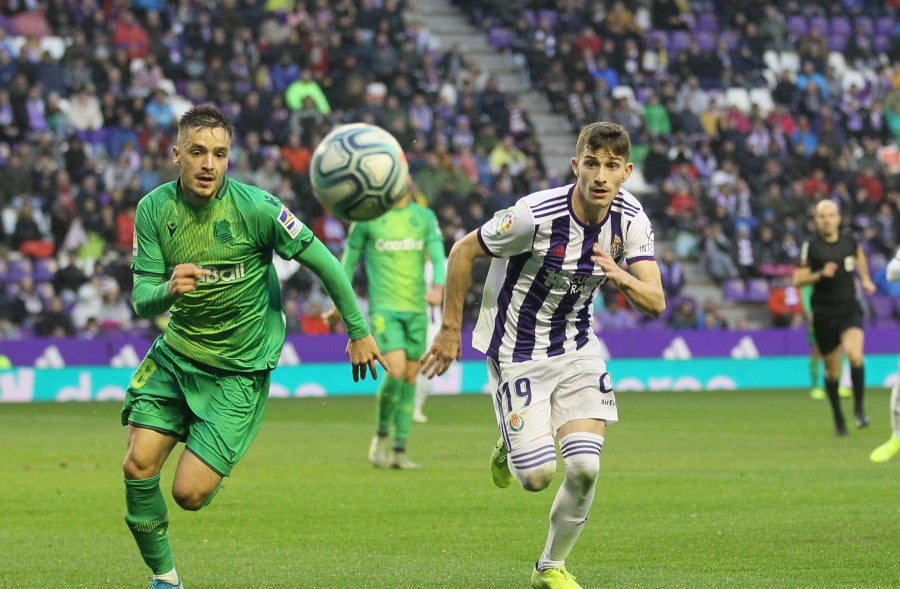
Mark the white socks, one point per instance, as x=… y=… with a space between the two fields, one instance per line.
x=581 y=456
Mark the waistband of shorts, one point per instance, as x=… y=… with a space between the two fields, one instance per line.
x=218 y=372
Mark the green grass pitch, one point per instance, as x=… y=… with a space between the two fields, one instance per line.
x=697 y=490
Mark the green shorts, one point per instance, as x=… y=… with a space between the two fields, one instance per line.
x=216 y=413
x=400 y=331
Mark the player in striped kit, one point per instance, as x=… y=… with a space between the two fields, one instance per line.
x=552 y=252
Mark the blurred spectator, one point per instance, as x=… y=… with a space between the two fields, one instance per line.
x=312 y=321
x=616 y=316
x=69 y=278
x=114 y=312
x=717 y=254
x=784 y=304
x=745 y=253
x=54 y=321
x=129 y=34
x=26 y=304
x=305 y=86
x=292 y=315
x=673 y=278
x=685 y=315
x=711 y=315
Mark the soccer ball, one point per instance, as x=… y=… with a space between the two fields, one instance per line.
x=358 y=172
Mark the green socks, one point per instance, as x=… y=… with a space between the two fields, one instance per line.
x=148 y=519
x=388 y=400
x=403 y=418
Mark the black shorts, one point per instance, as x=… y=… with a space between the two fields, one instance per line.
x=829 y=328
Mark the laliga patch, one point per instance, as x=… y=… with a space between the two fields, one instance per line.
x=291 y=224
x=516 y=422
x=505 y=222
x=134 y=243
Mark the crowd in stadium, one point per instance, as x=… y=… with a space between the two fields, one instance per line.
x=742 y=115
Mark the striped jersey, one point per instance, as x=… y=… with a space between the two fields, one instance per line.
x=539 y=292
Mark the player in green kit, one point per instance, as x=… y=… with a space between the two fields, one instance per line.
x=394 y=247
x=203 y=250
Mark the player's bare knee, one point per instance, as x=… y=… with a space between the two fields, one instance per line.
x=190 y=502
x=134 y=470
x=189 y=499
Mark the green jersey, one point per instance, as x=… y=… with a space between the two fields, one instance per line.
x=394 y=246
x=234 y=320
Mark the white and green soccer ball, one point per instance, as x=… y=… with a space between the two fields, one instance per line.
x=358 y=172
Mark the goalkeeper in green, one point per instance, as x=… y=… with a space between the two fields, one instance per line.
x=394 y=247
x=203 y=250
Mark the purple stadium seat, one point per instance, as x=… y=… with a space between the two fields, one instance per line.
x=881 y=43
x=731 y=38
x=841 y=25
x=885 y=25
x=820 y=23
x=499 y=37
x=530 y=16
x=837 y=42
x=15 y=271
x=707 y=40
x=757 y=290
x=882 y=307
x=864 y=25
x=797 y=25
x=549 y=15
x=657 y=35
x=734 y=290
x=708 y=22
x=679 y=41
x=44 y=270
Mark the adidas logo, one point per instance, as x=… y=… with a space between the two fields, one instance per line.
x=677 y=350
x=557 y=252
x=745 y=349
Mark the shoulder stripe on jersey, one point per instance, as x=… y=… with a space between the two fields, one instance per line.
x=625 y=207
x=551 y=206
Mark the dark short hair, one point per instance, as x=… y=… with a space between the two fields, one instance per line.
x=205 y=116
x=604 y=135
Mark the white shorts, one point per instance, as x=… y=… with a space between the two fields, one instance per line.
x=533 y=399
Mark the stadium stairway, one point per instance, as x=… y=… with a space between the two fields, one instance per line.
x=449 y=26
x=700 y=287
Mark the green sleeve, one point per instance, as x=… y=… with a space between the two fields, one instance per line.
x=353 y=250
x=805 y=295
x=323 y=263
x=435 y=244
x=150 y=297
x=321 y=100
x=438 y=261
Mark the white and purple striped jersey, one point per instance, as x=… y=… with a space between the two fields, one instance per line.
x=540 y=288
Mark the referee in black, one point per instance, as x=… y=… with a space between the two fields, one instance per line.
x=831 y=261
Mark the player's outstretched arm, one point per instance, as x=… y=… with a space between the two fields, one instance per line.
x=362 y=350
x=447 y=344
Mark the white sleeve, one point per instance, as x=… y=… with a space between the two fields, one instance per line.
x=509 y=232
x=639 y=240
x=893 y=268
